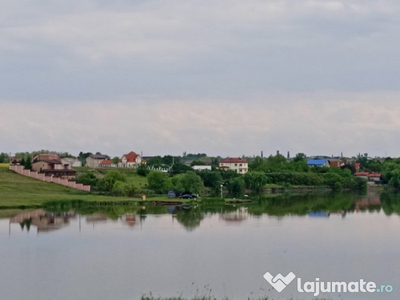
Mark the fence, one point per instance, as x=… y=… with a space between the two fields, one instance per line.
x=51 y=178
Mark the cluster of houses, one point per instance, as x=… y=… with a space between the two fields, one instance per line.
x=130 y=160
x=369 y=176
x=374 y=177
x=52 y=164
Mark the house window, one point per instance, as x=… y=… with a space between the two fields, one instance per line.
x=240 y=165
x=235 y=165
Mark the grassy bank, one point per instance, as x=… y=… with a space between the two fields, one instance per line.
x=21 y=191
x=18 y=191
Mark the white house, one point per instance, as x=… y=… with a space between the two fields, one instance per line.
x=131 y=160
x=201 y=167
x=74 y=162
x=236 y=164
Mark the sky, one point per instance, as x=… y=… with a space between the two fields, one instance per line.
x=222 y=77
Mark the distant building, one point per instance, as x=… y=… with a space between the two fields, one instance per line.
x=15 y=160
x=318 y=163
x=236 y=164
x=201 y=167
x=94 y=160
x=131 y=160
x=336 y=163
x=52 y=165
x=74 y=162
x=363 y=175
x=107 y=163
x=375 y=176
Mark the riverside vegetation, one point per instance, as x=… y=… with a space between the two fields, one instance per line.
x=122 y=184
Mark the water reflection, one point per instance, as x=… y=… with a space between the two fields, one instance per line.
x=43 y=220
x=55 y=217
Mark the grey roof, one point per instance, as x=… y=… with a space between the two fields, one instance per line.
x=98 y=155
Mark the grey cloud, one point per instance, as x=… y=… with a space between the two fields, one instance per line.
x=228 y=77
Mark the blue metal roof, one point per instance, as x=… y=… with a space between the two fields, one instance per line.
x=317 y=162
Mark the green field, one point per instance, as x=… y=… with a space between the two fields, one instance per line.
x=18 y=190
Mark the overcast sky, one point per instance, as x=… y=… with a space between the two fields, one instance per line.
x=224 y=77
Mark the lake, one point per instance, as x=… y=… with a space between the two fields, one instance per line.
x=95 y=253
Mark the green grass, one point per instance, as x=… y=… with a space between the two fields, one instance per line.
x=18 y=191
x=130 y=173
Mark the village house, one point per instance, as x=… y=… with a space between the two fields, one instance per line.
x=14 y=160
x=369 y=176
x=201 y=167
x=108 y=163
x=74 y=162
x=94 y=160
x=52 y=165
x=131 y=160
x=363 y=175
x=236 y=164
x=375 y=177
x=336 y=163
x=318 y=163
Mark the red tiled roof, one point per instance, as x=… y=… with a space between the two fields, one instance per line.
x=361 y=174
x=336 y=163
x=45 y=156
x=375 y=175
x=15 y=159
x=131 y=156
x=106 y=162
x=233 y=160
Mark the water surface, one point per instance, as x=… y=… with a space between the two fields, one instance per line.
x=219 y=250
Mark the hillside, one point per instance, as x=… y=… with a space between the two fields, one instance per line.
x=17 y=190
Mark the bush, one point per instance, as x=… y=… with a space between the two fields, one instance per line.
x=127 y=189
x=142 y=170
x=106 y=184
x=159 y=181
x=189 y=183
x=236 y=186
x=88 y=178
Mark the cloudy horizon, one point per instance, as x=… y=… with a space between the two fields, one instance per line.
x=226 y=78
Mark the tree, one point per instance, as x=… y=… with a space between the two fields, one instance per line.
x=255 y=181
x=115 y=160
x=256 y=163
x=179 y=168
x=211 y=179
x=4 y=157
x=198 y=163
x=189 y=182
x=88 y=178
x=82 y=157
x=300 y=157
x=159 y=181
x=142 y=170
x=107 y=182
x=127 y=189
x=28 y=163
x=236 y=186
